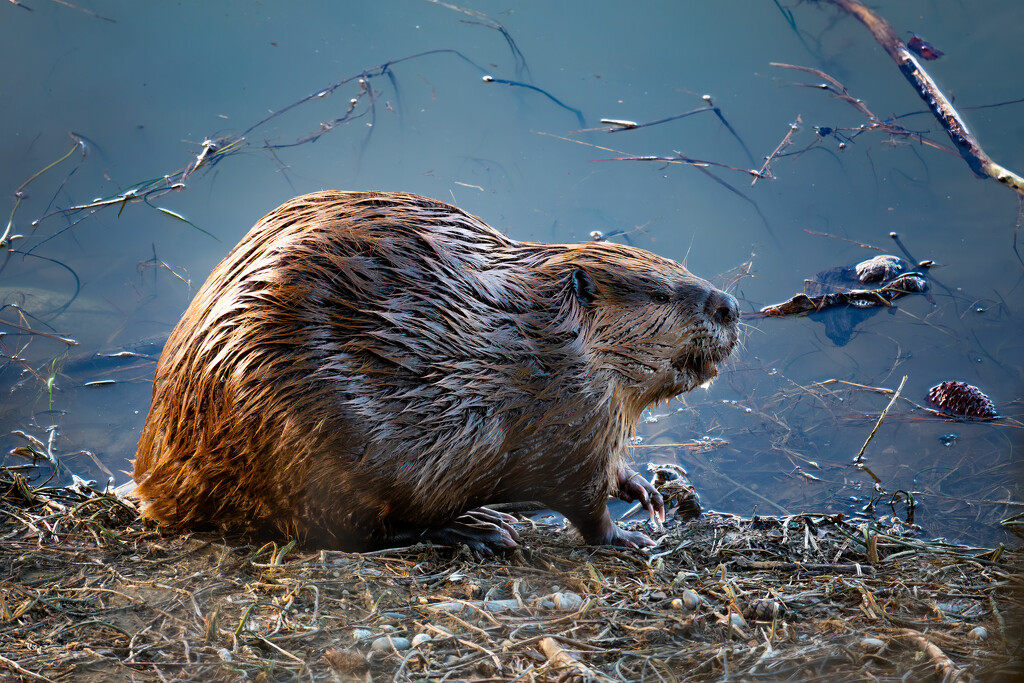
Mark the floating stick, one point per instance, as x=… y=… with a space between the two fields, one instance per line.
x=563 y=105
x=881 y=417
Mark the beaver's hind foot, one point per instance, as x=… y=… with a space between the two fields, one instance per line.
x=482 y=529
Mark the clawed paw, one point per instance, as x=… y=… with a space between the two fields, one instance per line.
x=633 y=486
x=482 y=529
x=630 y=539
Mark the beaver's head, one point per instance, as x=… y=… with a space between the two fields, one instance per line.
x=656 y=329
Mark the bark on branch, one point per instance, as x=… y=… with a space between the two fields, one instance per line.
x=965 y=142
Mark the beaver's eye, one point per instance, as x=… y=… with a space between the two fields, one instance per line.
x=659 y=298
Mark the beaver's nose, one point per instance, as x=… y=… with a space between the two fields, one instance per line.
x=722 y=308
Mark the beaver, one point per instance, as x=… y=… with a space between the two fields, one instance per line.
x=369 y=369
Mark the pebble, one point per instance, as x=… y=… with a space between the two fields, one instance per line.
x=419 y=639
x=978 y=633
x=871 y=644
x=392 y=644
x=737 y=620
x=567 y=600
x=691 y=600
x=361 y=633
x=879 y=268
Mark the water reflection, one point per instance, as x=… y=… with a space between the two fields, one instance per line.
x=192 y=121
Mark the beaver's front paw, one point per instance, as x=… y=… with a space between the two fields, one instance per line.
x=628 y=539
x=633 y=486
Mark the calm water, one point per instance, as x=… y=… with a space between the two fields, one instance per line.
x=143 y=91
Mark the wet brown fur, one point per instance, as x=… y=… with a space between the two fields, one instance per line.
x=367 y=364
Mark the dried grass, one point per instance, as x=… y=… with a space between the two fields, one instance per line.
x=89 y=592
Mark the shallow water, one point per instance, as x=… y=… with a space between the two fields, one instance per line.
x=143 y=91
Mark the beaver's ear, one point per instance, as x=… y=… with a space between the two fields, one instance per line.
x=584 y=287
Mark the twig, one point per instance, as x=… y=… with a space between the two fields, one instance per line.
x=56 y=337
x=504 y=81
x=837 y=89
x=774 y=565
x=287 y=654
x=709 y=105
x=786 y=141
x=862 y=245
x=681 y=158
x=619 y=126
x=22 y=671
x=561 y=658
x=881 y=417
x=83 y=10
x=482 y=19
x=944 y=666
x=19 y=194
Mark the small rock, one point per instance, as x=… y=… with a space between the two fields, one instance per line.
x=567 y=601
x=361 y=633
x=871 y=644
x=420 y=639
x=677 y=604
x=390 y=644
x=978 y=633
x=691 y=600
x=737 y=620
x=880 y=268
x=910 y=283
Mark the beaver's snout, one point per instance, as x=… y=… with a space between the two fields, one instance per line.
x=722 y=308
x=710 y=339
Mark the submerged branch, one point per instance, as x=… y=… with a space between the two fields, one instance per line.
x=908 y=283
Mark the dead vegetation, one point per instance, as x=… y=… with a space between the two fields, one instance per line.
x=89 y=592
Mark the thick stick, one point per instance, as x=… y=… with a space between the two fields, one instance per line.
x=966 y=144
